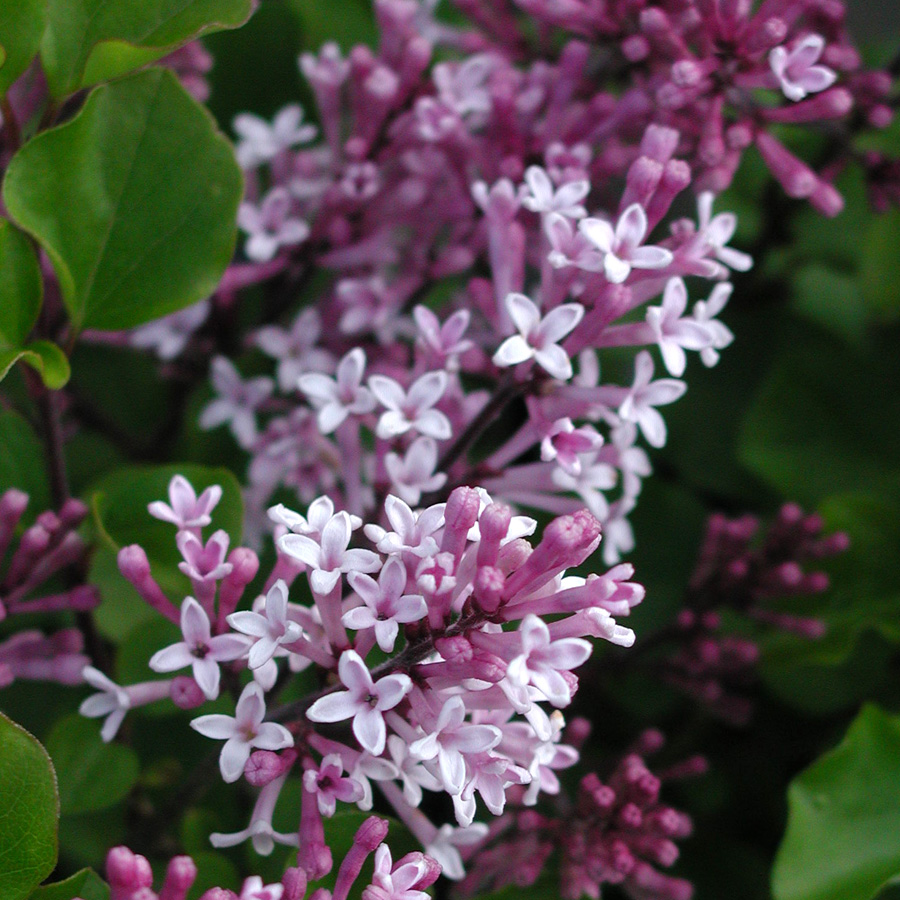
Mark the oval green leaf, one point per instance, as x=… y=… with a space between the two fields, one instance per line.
x=74 y=50
x=134 y=200
x=84 y=763
x=21 y=286
x=29 y=810
x=83 y=885
x=21 y=28
x=843 y=832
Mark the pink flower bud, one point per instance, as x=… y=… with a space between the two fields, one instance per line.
x=186 y=693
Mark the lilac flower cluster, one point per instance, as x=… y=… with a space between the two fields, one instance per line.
x=130 y=876
x=446 y=674
x=737 y=570
x=545 y=165
x=43 y=550
x=615 y=832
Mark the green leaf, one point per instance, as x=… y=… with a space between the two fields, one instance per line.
x=120 y=509
x=21 y=461
x=134 y=200
x=355 y=24
x=83 y=763
x=21 y=28
x=43 y=356
x=74 y=51
x=825 y=419
x=880 y=266
x=83 y=885
x=21 y=286
x=29 y=809
x=843 y=831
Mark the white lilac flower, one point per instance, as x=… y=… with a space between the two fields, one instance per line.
x=644 y=395
x=796 y=71
x=386 y=606
x=365 y=701
x=705 y=312
x=568 y=246
x=271 y=629
x=411 y=772
x=621 y=245
x=318 y=515
x=543 y=197
x=413 y=531
x=445 y=341
x=111 y=703
x=542 y=661
x=254 y=889
x=199 y=649
x=674 y=332
x=329 y=556
x=261 y=142
x=341 y=396
x=443 y=847
x=295 y=348
x=237 y=402
x=414 y=474
x=270 y=225
x=169 y=335
x=594 y=477
x=412 y=409
x=185 y=509
x=243 y=732
x=715 y=233
x=451 y=739
x=538 y=338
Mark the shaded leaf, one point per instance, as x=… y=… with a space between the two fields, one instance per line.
x=21 y=461
x=21 y=28
x=843 y=832
x=134 y=200
x=29 y=809
x=21 y=286
x=83 y=885
x=49 y=361
x=87 y=41
x=84 y=763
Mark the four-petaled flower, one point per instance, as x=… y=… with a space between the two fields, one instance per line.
x=270 y=225
x=412 y=409
x=386 y=606
x=329 y=785
x=538 y=338
x=674 y=332
x=261 y=142
x=237 y=402
x=413 y=474
x=621 y=245
x=644 y=395
x=450 y=739
x=329 y=556
x=396 y=882
x=185 y=509
x=199 y=649
x=542 y=661
x=543 y=197
x=796 y=71
x=112 y=702
x=243 y=731
x=338 y=397
x=271 y=629
x=365 y=701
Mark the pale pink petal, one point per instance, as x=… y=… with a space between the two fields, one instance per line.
x=233 y=758
x=172 y=658
x=632 y=226
x=370 y=731
x=523 y=312
x=333 y=708
x=216 y=726
x=512 y=351
x=555 y=361
x=560 y=321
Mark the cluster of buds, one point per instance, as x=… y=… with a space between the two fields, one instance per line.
x=445 y=673
x=739 y=571
x=130 y=876
x=615 y=832
x=45 y=549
